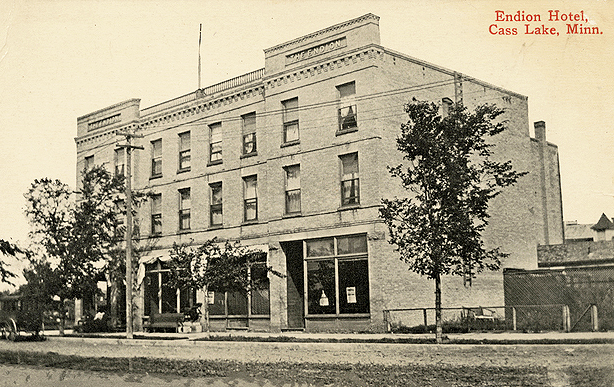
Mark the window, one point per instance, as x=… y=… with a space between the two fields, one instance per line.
x=290 y=118
x=347 y=107
x=215 y=209
x=250 y=198
x=184 y=151
x=89 y=163
x=215 y=145
x=184 y=209
x=156 y=214
x=156 y=158
x=349 y=179
x=293 y=189
x=249 y=133
x=446 y=104
x=337 y=275
x=160 y=298
x=119 y=162
x=240 y=302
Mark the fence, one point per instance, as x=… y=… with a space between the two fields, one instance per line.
x=576 y=287
x=529 y=318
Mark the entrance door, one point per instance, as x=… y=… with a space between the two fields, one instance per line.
x=296 y=303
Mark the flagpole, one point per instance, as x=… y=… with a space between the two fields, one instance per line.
x=200 y=34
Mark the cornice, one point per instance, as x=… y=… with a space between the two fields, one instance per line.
x=336 y=27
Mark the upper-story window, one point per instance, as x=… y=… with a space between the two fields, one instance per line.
x=156 y=214
x=249 y=133
x=184 y=151
x=156 y=158
x=350 y=187
x=250 y=198
x=293 y=189
x=119 y=162
x=346 y=111
x=89 y=163
x=215 y=143
x=215 y=209
x=290 y=118
x=184 y=209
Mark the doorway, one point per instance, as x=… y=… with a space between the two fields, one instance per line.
x=295 y=283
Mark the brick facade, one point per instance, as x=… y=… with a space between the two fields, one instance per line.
x=312 y=68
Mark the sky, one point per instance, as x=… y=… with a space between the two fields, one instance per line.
x=63 y=59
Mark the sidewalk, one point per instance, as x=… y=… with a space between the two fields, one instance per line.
x=455 y=338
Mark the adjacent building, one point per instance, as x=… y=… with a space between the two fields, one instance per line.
x=603 y=230
x=291 y=159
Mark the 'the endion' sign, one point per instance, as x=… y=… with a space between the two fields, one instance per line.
x=315 y=51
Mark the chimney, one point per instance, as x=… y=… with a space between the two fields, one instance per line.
x=540 y=130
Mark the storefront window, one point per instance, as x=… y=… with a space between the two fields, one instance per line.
x=354 y=244
x=353 y=286
x=340 y=284
x=237 y=301
x=161 y=298
x=260 y=290
x=320 y=247
x=321 y=287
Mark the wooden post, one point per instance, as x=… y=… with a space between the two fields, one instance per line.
x=566 y=319
x=425 y=315
x=387 y=320
x=594 y=318
x=514 y=326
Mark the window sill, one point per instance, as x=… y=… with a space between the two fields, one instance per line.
x=293 y=215
x=246 y=155
x=290 y=143
x=156 y=235
x=215 y=162
x=152 y=177
x=346 y=131
x=184 y=231
x=349 y=207
x=340 y=315
x=183 y=170
x=250 y=222
x=239 y=316
x=216 y=227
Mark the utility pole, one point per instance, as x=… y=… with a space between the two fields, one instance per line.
x=128 y=235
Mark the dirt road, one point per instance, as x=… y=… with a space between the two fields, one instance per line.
x=554 y=365
x=556 y=355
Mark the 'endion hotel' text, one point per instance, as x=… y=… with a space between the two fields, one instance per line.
x=574 y=23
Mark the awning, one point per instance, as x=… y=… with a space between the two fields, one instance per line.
x=146 y=260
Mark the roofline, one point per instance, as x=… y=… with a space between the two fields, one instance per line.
x=452 y=72
x=368 y=16
x=126 y=102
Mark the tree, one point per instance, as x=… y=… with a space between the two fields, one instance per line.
x=7 y=248
x=215 y=265
x=76 y=239
x=452 y=175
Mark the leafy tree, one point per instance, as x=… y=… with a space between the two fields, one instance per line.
x=76 y=239
x=451 y=174
x=39 y=293
x=215 y=265
x=6 y=249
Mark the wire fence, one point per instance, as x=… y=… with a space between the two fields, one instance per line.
x=527 y=318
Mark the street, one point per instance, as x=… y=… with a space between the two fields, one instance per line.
x=246 y=363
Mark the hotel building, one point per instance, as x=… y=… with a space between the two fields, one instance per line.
x=291 y=158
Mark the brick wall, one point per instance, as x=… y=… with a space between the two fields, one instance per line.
x=575 y=252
